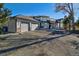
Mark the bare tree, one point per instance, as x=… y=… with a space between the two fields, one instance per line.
x=68 y=8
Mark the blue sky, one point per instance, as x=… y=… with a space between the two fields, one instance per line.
x=33 y=9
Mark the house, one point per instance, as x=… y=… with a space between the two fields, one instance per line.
x=59 y=23
x=22 y=24
x=43 y=24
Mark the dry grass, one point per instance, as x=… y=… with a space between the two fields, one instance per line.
x=34 y=34
x=58 y=47
x=22 y=38
x=38 y=33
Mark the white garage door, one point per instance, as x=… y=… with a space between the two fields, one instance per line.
x=24 y=27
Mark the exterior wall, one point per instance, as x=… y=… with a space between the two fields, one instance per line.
x=62 y=24
x=34 y=26
x=18 y=26
x=24 y=27
x=45 y=25
x=11 y=25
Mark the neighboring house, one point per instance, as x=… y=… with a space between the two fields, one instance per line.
x=59 y=23
x=43 y=24
x=22 y=24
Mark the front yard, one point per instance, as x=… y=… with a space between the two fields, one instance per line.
x=22 y=38
x=63 y=46
x=59 y=47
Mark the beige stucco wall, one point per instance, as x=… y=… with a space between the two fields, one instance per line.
x=34 y=27
x=20 y=25
x=24 y=27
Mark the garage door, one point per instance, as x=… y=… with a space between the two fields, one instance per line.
x=24 y=27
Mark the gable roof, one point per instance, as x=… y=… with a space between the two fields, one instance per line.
x=26 y=18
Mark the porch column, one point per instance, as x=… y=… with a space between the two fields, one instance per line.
x=29 y=26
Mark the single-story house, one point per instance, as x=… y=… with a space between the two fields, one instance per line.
x=43 y=20
x=59 y=23
x=22 y=24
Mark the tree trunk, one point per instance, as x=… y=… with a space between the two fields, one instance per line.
x=69 y=25
x=72 y=13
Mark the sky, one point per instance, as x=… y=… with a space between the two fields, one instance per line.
x=36 y=9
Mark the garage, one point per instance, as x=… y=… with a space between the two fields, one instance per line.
x=24 y=27
x=22 y=24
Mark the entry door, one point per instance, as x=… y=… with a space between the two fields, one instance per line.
x=24 y=27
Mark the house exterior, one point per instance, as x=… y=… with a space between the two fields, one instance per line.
x=43 y=24
x=59 y=23
x=22 y=24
